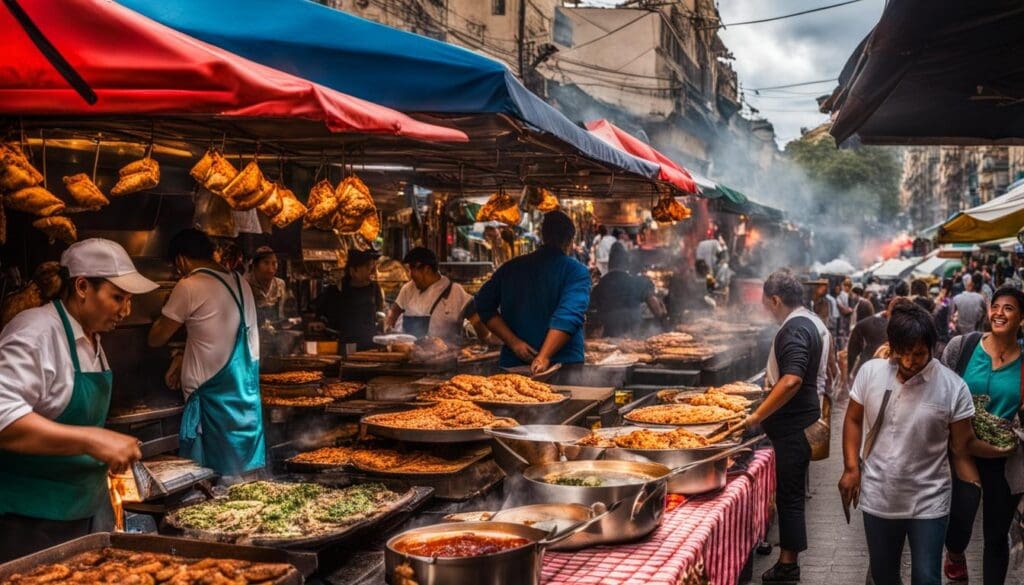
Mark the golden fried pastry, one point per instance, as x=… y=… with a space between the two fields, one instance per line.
x=370 y=227
x=137 y=176
x=291 y=210
x=274 y=203
x=217 y=174
x=344 y=224
x=668 y=210
x=354 y=197
x=446 y=414
x=244 y=183
x=322 y=202
x=57 y=227
x=680 y=414
x=84 y=193
x=501 y=207
x=28 y=297
x=15 y=170
x=34 y=200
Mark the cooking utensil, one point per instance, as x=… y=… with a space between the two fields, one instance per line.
x=551 y=517
x=518 y=566
x=526 y=445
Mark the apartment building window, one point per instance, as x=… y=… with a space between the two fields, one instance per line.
x=498 y=7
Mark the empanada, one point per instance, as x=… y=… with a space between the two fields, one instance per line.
x=370 y=228
x=322 y=203
x=57 y=227
x=245 y=183
x=274 y=203
x=84 y=193
x=292 y=209
x=34 y=200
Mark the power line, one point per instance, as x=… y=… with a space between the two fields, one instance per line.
x=788 y=85
x=801 y=13
x=610 y=33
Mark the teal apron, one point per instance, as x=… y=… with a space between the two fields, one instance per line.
x=72 y=487
x=222 y=426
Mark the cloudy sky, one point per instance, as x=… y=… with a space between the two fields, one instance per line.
x=793 y=50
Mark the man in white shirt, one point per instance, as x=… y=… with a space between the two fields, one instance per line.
x=915 y=410
x=55 y=389
x=431 y=304
x=222 y=427
x=603 y=249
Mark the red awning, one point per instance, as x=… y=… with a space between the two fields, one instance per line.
x=671 y=173
x=57 y=56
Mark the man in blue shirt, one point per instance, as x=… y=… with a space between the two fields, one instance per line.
x=539 y=300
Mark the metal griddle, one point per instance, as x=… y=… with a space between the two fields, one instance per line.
x=305 y=564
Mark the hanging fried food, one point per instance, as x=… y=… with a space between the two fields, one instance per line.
x=57 y=227
x=668 y=209
x=354 y=197
x=84 y=193
x=370 y=228
x=274 y=203
x=214 y=172
x=3 y=224
x=47 y=277
x=292 y=209
x=347 y=224
x=322 y=203
x=244 y=182
x=541 y=199
x=28 y=297
x=15 y=170
x=137 y=176
x=34 y=200
x=253 y=199
x=501 y=207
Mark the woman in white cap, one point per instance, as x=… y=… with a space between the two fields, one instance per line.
x=54 y=395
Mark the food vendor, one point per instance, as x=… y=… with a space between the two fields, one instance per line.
x=536 y=303
x=55 y=387
x=222 y=425
x=431 y=304
x=619 y=295
x=269 y=291
x=351 y=308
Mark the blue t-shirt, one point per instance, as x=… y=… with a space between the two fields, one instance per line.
x=534 y=293
x=1002 y=386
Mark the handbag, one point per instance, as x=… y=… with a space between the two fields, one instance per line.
x=819 y=434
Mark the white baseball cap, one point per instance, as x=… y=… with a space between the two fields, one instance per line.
x=99 y=258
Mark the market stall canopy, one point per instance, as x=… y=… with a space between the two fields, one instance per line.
x=95 y=58
x=733 y=201
x=895 y=268
x=516 y=136
x=937 y=265
x=1001 y=217
x=669 y=172
x=935 y=72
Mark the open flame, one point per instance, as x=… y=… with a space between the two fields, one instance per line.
x=117 y=492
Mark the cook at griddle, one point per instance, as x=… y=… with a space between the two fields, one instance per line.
x=351 y=307
x=55 y=385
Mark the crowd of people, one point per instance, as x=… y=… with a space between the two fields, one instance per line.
x=920 y=365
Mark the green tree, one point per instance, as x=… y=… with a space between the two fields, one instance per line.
x=856 y=183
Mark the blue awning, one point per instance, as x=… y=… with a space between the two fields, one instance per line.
x=401 y=70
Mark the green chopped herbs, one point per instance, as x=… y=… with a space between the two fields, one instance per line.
x=990 y=428
x=286 y=509
x=578 y=481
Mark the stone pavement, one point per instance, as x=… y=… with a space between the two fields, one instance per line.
x=837 y=553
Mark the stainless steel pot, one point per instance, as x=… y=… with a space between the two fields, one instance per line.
x=644 y=500
x=519 y=566
x=517 y=448
x=547 y=517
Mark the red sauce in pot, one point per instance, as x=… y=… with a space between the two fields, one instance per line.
x=460 y=545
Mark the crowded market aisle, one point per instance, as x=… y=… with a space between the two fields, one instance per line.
x=838 y=553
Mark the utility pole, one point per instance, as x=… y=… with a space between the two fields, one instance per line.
x=521 y=40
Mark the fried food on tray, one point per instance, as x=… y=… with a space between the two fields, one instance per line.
x=715 y=397
x=680 y=414
x=498 y=388
x=446 y=414
x=114 y=565
x=739 y=388
x=659 y=342
x=290 y=378
x=84 y=193
x=692 y=352
x=338 y=390
x=296 y=401
x=392 y=461
x=647 y=439
x=335 y=456
x=285 y=510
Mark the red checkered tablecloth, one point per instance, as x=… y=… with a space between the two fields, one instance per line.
x=704 y=539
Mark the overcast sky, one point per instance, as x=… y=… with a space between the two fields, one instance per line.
x=793 y=50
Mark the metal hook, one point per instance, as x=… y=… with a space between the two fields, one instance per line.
x=43 y=140
x=96 y=159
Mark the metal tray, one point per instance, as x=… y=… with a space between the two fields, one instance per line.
x=416 y=476
x=736 y=416
x=651 y=400
x=473 y=481
x=426 y=435
x=305 y=563
x=409 y=494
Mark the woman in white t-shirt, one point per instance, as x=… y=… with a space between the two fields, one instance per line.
x=915 y=410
